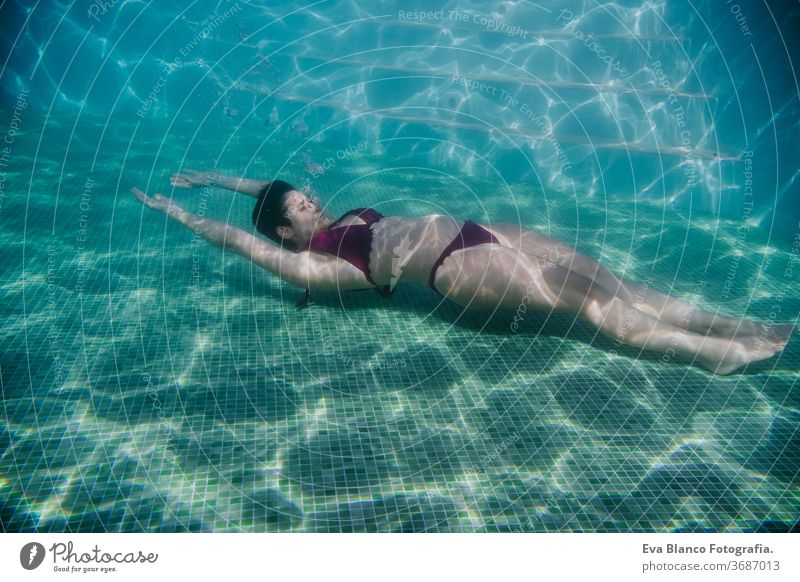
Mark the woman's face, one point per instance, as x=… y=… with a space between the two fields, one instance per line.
x=305 y=213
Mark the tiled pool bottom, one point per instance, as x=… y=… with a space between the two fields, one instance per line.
x=152 y=399
x=482 y=433
x=564 y=450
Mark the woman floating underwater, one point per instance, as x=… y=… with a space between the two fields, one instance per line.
x=477 y=267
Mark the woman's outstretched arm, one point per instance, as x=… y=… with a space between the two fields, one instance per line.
x=195 y=179
x=308 y=270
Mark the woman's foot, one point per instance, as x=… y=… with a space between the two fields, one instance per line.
x=744 y=350
x=777 y=333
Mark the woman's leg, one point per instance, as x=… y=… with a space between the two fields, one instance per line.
x=660 y=305
x=489 y=275
x=636 y=294
x=617 y=319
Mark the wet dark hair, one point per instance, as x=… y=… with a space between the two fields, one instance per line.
x=269 y=212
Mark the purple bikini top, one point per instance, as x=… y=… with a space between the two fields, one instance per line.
x=352 y=242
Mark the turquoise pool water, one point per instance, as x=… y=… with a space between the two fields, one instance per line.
x=152 y=382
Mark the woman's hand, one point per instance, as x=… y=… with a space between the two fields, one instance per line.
x=192 y=179
x=158 y=202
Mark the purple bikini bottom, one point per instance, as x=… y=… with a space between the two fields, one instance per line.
x=470 y=235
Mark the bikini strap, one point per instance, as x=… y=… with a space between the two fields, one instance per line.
x=368 y=215
x=385 y=291
x=303 y=302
